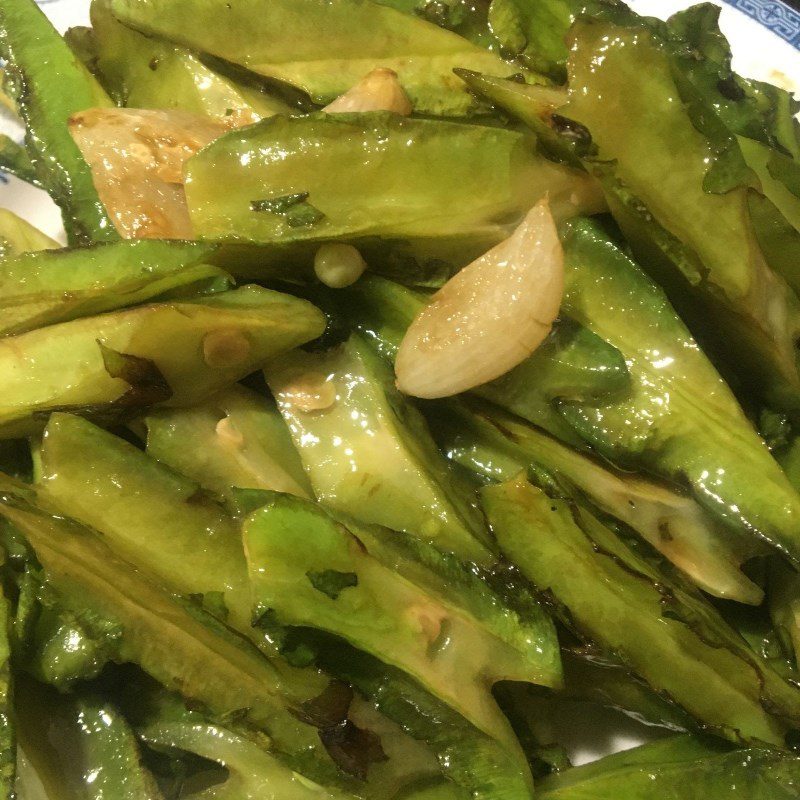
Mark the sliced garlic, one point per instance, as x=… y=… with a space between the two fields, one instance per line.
x=137 y=157
x=308 y=391
x=256 y=464
x=229 y=434
x=379 y=90
x=489 y=317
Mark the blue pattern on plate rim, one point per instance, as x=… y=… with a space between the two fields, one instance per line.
x=773 y=14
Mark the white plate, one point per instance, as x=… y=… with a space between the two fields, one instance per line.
x=765 y=35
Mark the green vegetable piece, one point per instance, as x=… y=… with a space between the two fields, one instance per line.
x=114 y=364
x=338 y=726
x=311 y=571
x=18 y=236
x=437 y=791
x=673 y=638
x=380 y=309
x=253 y=772
x=732 y=111
x=148 y=72
x=679 y=768
x=82 y=41
x=164 y=721
x=535 y=33
x=497 y=601
x=235 y=439
x=50 y=85
x=536 y=106
x=113 y=487
x=591 y=679
x=482 y=767
x=467 y=19
x=760 y=158
x=681 y=421
x=722 y=283
x=80 y=747
x=64 y=653
x=350 y=39
x=482 y=180
x=777 y=238
x=53 y=644
x=784 y=605
x=777 y=228
x=789 y=459
x=368 y=452
x=175 y=642
x=8 y=732
x=750 y=125
x=571 y=364
x=498 y=446
x=762 y=634
x=125 y=495
x=14 y=158
x=45 y=288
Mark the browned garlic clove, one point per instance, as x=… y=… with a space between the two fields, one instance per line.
x=379 y=90
x=489 y=317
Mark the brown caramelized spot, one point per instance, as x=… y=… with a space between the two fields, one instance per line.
x=137 y=158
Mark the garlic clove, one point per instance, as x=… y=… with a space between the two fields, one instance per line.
x=379 y=90
x=489 y=317
x=307 y=391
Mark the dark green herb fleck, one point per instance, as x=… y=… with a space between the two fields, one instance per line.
x=294 y=208
x=331 y=582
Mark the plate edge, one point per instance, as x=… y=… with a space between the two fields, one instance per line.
x=774 y=15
